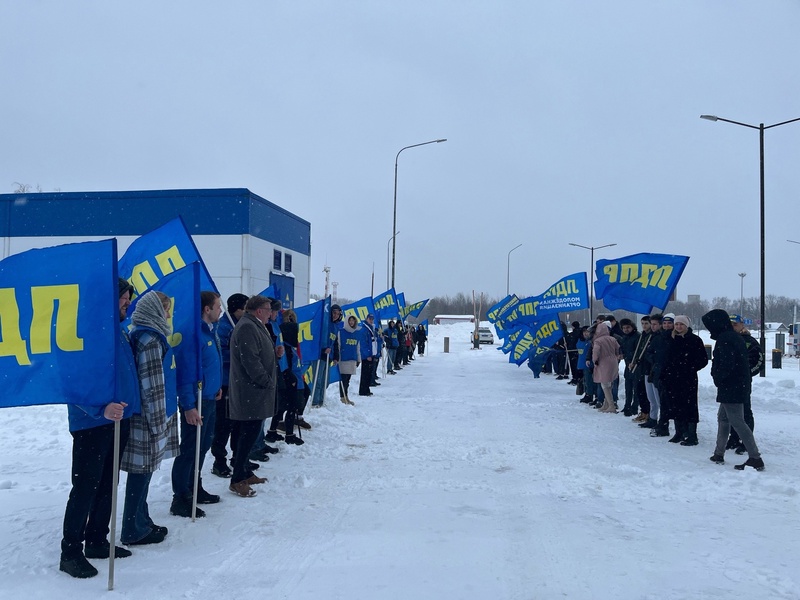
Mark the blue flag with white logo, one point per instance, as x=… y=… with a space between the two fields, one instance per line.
x=161 y=252
x=639 y=282
x=59 y=325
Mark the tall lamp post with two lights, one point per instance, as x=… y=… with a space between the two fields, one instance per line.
x=761 y=128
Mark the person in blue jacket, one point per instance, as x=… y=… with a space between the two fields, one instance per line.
x=350 y=355
x=88 y=509
x=223 y=426
x=369 y=351
x=191 y=420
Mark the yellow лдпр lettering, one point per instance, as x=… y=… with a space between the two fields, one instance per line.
x=11 y=342
x=143 y=275
x=304 y=332
x=646 y=275
x=66 y=316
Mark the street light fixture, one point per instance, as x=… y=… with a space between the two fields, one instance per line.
x=591 y=274
x=394 y=212
x=387 y=257
x=761 y=128
x=508 y=268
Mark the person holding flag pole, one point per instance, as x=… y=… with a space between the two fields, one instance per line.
x=198 y=412
x=98 y=434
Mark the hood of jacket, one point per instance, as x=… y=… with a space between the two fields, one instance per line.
x=717 y=322
x=349 y=329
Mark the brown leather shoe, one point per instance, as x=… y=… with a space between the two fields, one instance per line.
x=242 y=489
x=253 y=480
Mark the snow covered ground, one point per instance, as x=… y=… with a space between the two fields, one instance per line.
x=462 y=477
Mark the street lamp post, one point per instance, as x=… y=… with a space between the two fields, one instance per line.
x=591 y=274
x=761 y=128
x=508 y=268
x=741 y=296
x=394 y=211
x=387 y=257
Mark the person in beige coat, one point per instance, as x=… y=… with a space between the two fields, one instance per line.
x=606 y=355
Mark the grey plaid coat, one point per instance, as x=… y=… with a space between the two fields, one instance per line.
x=153 y=436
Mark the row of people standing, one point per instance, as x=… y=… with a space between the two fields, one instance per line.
x=661 y=366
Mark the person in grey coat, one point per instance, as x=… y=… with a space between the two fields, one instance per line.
x=252 y=381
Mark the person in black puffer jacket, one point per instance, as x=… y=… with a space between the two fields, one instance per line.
x=731 y=373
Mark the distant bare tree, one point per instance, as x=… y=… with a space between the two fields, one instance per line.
x=22 y=188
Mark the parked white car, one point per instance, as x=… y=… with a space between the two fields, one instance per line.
x=485 y=335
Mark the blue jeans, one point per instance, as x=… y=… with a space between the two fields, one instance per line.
x=390 y=355
x=183 y=467
x=136 y=521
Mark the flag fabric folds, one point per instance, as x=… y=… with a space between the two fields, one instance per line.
x=359 y=309
x=387 y=305
x=312 y=321
x=639 y=282
x=59 y=325
x=414 y=310
x=161 y=252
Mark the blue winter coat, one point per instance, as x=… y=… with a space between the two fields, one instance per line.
x=211 y=357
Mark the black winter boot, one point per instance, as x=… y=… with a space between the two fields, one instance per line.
x=691 y=435
x=660 y=431
x=756 y=463
x=680 y=432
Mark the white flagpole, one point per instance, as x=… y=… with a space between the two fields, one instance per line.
x=112 y=546
x=197 y=451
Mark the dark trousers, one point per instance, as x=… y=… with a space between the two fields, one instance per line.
x=247 y=433
x=222 y=429
x=344 y=389
x=640 y=391
x=136 y=521
x=88 y=509
x=630 y=390
x=366 y=377
x=183 y=467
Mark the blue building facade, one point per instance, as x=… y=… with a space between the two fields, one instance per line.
x=246 y=241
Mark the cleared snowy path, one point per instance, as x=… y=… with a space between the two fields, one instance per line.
x=462 y=477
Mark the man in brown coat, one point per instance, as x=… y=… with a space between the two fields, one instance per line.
x=252 y=382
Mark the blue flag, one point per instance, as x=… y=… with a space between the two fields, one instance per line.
x=359 y=309
x=543 y=334
x=183 y=289
x=387 y=305
x=414 y=310
x=312 y=321
x=537 y=359
x=567 y=294
x=270 y=292
x=401 y=305
x=161 y=252
x=495 y=311
x=638 y=283
x=59 y=325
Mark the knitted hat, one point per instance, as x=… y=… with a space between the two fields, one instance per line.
x=236 y=302
x=668 y=317
x=736 y=319
x=683 y=319
x=124 y=286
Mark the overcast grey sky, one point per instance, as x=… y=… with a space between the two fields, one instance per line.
x=567 y=121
